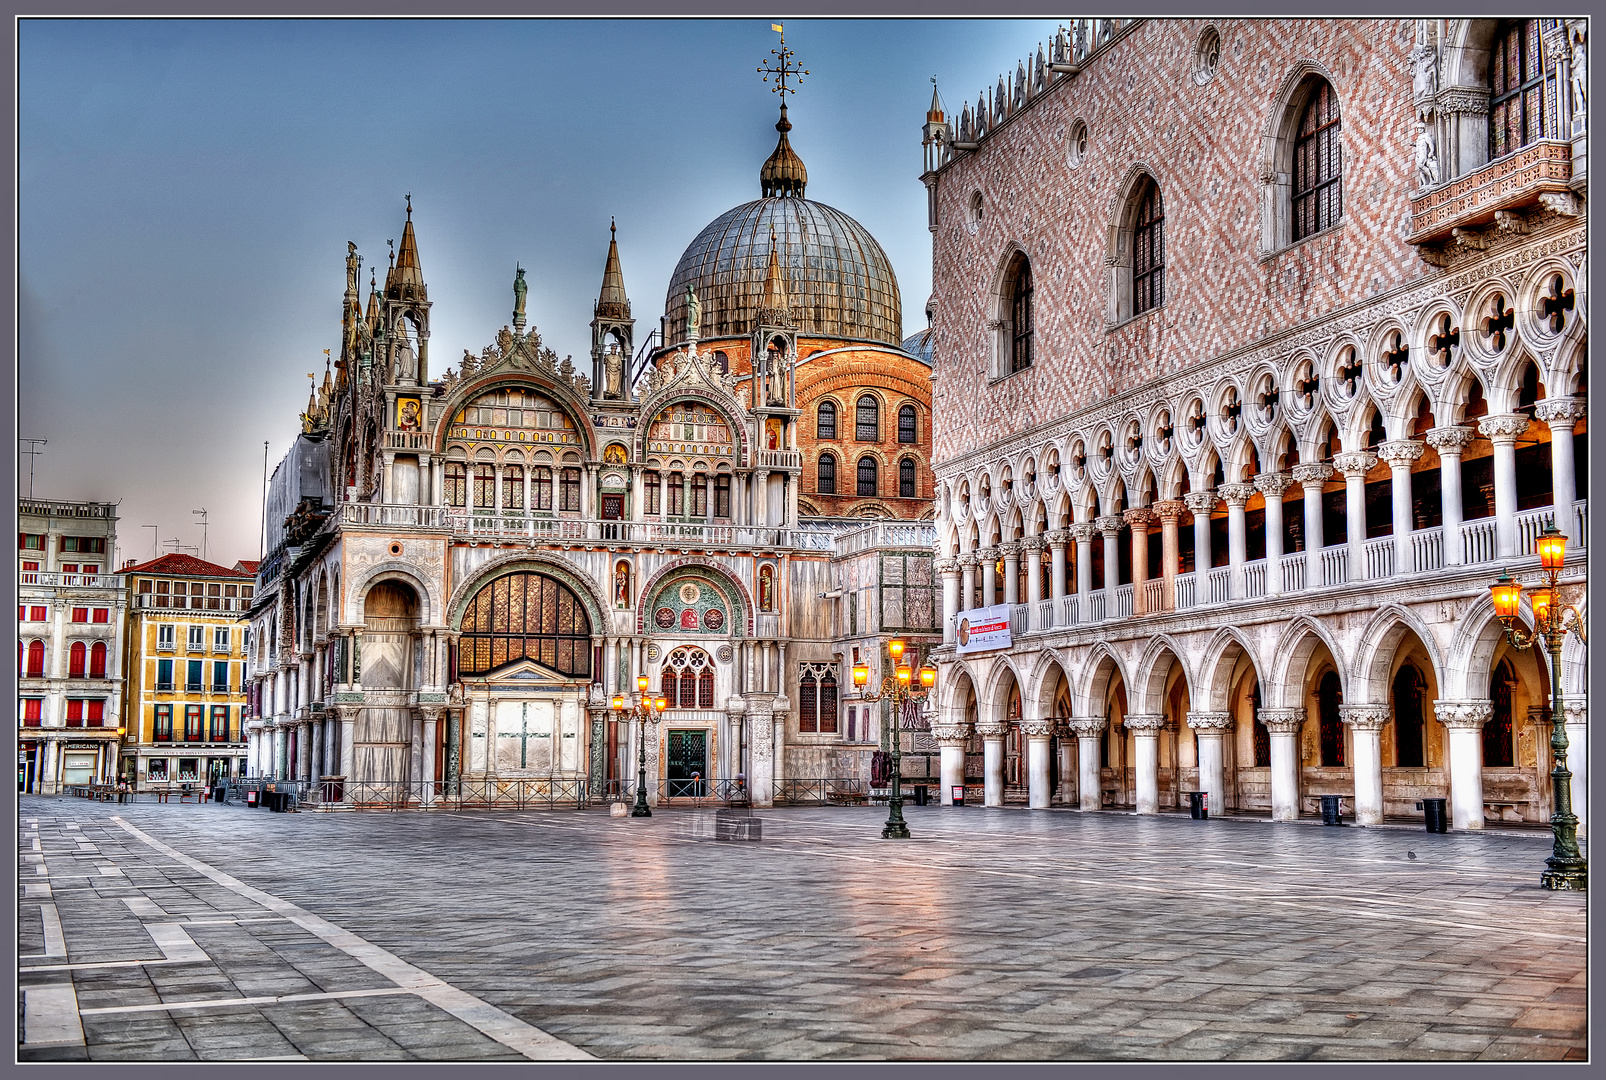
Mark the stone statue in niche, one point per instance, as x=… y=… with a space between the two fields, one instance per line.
x=1427 y=157
x=775 y=392
x=621 y=585
x=694 y=311
x=613 y=366
x=1578 y=49
x=404 y=353
x=1424 y=67
x=766 y=589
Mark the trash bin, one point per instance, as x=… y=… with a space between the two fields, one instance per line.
x=959 y=794
x=1198 y=805
x=220 y=793
x=920 y=794
x=1433 y=815
x=251 y=798
x=1332 y=810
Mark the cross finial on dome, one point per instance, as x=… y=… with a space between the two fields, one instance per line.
x=783 y=173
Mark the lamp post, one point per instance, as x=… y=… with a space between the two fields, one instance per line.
x=898 y=689
x=1566 y=866
x=644 y=708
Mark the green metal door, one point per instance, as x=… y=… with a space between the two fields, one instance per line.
x=688 y=754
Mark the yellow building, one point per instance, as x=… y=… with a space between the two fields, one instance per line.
x=186 y=663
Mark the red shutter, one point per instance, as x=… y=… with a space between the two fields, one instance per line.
x=97 y=712
x=75 y=660
x=97 y=661
x=75 y=712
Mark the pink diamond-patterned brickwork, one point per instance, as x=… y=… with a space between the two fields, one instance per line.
x=1204 y=144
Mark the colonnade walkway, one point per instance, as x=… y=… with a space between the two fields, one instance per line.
x=152 y=932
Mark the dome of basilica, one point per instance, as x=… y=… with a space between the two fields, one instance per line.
x=839 y=280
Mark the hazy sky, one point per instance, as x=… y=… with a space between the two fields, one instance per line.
x=187 y=189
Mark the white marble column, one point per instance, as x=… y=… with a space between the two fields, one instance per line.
x=1110 y=526
x=1067 y=790
x=992 y=733
x=1082 y=533
x=281 y=758
x=1400 y=455
x=1576 y=711
x=1201 y=503
x=1283 y=726
x=348 y=723
x=1449 y=442
x=1503 y=432
x=949 y=570
x=1209 y=729
x=329 y=763
x=1088 y=729
x=1311 y=477
x=1037 y=734
x=1272 y=485
x=1031 y=548
x=1236 y=496
x=1366 y=727
x=1145 y=728
x=1168 y=511
x=967 y=584
x=1010 y=551
x=1562 y=414
x=315 y=757
x=1138 y=521
x=1463 y=722
x=1355 y=466
x=431 y=719
x=1057 y=540
x=988 y=567
x=761 y=752
x=951 y=740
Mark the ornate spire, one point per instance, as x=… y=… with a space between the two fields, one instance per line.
x=612 y=303
x=405 y=281
x=776 y=310
x=783 y=173
x=373 y=302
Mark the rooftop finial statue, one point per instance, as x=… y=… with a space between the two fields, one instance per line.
x=694 y=312
x=519 y=291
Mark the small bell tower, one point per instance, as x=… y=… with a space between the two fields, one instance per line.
x=612 y=331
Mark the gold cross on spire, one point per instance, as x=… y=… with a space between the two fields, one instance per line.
x=783 y=68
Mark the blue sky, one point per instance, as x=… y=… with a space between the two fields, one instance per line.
x=187 y=188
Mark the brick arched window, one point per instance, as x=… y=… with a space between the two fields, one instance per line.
x=825 y=421
x=906 y=424
x=1318 y=188
x=867 y=475
x=1516 y=87
x=906 y=479
x=1148 y=251
x=867 y=424
x=825 y=475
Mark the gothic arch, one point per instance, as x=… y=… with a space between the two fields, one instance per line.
x=650 y=408
x=1277 y=150
x=958 y=687
x=1472 y=651
x=1221 y=657
x=1046 y=664
x=1151 y=673
x=992 y=697
x=1292 y=662
x=1373 y=659
x=429 y=612
x=1100 y=664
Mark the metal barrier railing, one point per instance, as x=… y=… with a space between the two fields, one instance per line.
x=527 y=793
x=825 y=791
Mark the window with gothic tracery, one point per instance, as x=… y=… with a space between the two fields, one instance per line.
x=1518 y=93
x=686 y=680
x=1318 y=186
x=1148 y=252
x=817 y=699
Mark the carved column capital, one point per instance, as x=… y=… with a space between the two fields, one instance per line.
x=1282 y=721
x=968 y=560
x=1466 y=715
x=947 y=567
x=1109 y=523
x=1399 y=453
x=1575 y=709
x=1031 y=545
x=1169 y=509
x=1145 y=725
x=1087 y=727
x=951 y=734
x=1036 y=729
x=988 y=554
x=1365 y=717
x=1138 y=516
x=1504 y=428
x=1312 y=473
x=1057 y=538
x=1210 y=723
x=1273 y=484
x=1236 y=494
x=1561 y=412
x=1354 y=462
x=1200 y=502
x=1450 y=440
x=993 y=730
x=1009 y=550
x=1082 y=531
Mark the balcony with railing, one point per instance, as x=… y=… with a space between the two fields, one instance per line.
x=69 y=581
x=1514 y=182
x=166 y=602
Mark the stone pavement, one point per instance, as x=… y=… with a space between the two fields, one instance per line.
x=158 y=932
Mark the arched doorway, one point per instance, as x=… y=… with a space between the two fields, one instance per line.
x=1329 y=696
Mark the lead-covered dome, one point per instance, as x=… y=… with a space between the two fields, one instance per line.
x=838 y=278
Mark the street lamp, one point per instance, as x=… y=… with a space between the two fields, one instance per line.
x=898 y=688
x=1567 y=868
x=645 y=709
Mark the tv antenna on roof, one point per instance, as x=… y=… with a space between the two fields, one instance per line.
x=202 y=512
x=32 y=453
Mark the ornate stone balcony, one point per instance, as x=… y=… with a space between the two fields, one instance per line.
x=1515 y=182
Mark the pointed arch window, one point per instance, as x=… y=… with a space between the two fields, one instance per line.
x=1318 y=190
x=1020 y=317
x=1517 y=103
x=1408 y=709
x=1148 y=251
x=906 y=424
x=825 y=476
x=867 y=422
x=825 y=421
x=867 y=475
x=906 y=479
